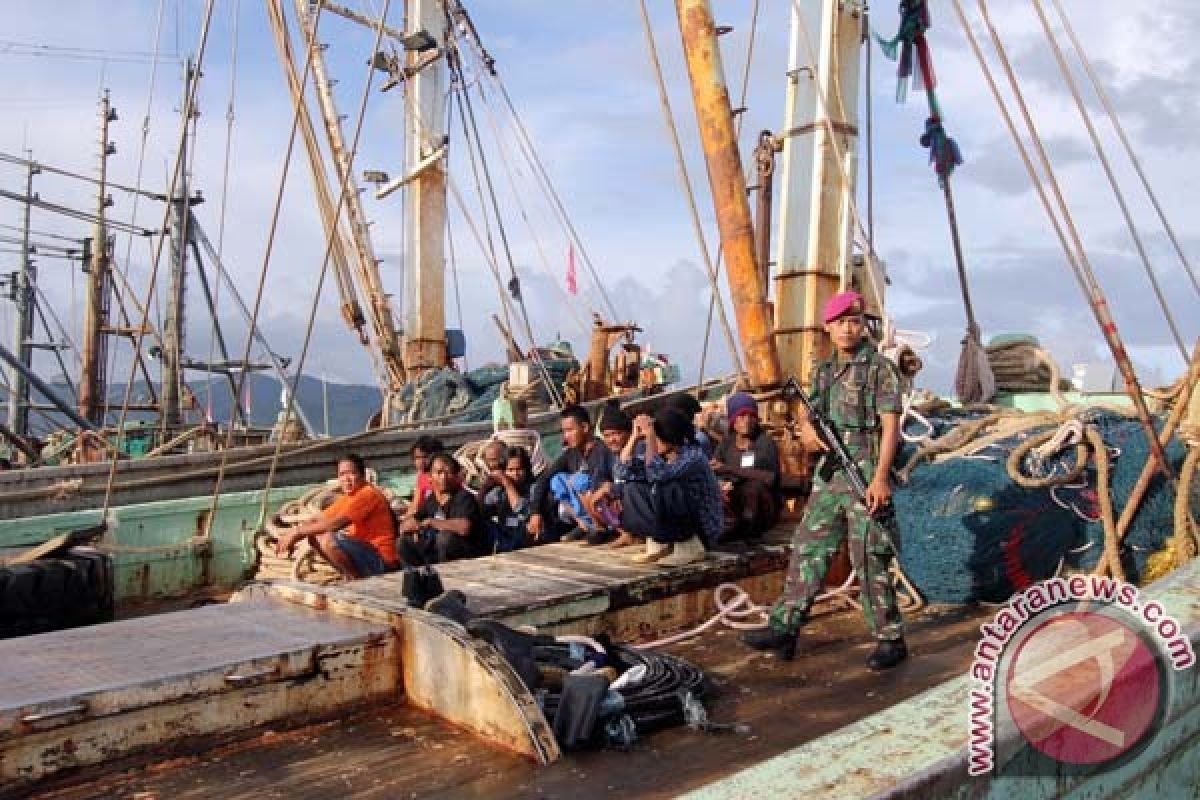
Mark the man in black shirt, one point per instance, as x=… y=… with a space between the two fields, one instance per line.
x=447 y=525
x=583 y=467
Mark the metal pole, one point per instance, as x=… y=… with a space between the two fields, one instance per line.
x=173 y=322
x=22 y=293
x=728 y=184
x=325 y=401
x=764 y=161
x=27 y=374
x=92 y=381
x=238 y=414
x=222 y=275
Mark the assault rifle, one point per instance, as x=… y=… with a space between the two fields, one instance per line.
x=837 y=457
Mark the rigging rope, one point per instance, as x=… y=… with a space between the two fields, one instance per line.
x=229 y=117
x=1075 y=253
x=689 y=194
x=1086 y=116
x=344 y=181
x=297 y=102
x=514 y=284
x=457 y=295
x=1102 y=93
x=531 y=155
x=511 y=170
x=459 y=90
x=122 y=270
x=189 y=104
x=467 y=113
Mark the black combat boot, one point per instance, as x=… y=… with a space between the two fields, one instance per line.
x=452 y=605
x=780 y=634
x=782 y=643
x=888 y=653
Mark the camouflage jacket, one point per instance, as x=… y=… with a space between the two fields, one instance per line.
x=853 y=392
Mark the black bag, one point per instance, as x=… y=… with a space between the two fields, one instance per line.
x=420 y=585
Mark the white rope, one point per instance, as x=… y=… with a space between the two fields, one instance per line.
x=734 y=611
x=917 y=417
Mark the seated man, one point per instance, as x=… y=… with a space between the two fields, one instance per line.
x=747 y=464
x=447 y=525
x=357 y=533
x=628 y=467
x=505 y=501
x=487 y=462
x=678 y=508
x=604 y=504
x=423 y=451
x=584 y=465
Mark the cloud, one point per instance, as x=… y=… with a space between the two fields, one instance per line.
x=580 y=76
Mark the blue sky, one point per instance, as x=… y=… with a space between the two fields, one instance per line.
x=580 y=76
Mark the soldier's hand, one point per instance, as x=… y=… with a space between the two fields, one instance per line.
x=879 y=494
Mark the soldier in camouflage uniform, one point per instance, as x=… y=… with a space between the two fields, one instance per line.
x=858 y=390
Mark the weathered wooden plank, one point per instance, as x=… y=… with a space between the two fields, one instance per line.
x=570 y=557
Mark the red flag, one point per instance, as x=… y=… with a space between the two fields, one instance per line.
x=572 y=285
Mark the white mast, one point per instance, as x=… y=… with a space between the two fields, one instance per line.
x=425 y=174
x=820 y=137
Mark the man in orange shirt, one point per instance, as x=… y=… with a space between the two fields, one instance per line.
x=357 y=533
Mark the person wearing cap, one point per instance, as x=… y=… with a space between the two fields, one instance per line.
x=858 y=390
x=747 y=464
x=678 y=507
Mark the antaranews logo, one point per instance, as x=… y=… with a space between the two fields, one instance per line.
x=1072 y=671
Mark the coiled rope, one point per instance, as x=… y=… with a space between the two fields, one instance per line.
x=305 y=563
x=736 y=609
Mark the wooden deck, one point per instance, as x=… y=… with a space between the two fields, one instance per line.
x=560 y=588
x=572 y=588
x=393 y=751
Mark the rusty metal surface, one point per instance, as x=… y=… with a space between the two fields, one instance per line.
x=728 y=183
x=152 y=659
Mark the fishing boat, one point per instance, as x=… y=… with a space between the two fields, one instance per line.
x=182 y=508
x=293 y=653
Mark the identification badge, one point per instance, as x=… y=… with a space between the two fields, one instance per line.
x=513 y=522
x=440 y=514
x=747 y=460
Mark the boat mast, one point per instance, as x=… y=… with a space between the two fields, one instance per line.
x=22 y=288
x=93 y=379
x=728 y=184
x=813 y=252
x=425 y=173
x=173 y=321
x=386 y=335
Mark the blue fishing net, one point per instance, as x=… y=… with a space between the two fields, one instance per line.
x=968 y=533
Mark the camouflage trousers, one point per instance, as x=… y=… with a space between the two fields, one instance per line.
x=833 y=515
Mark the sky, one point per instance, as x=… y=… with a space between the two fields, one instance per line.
x=579 y=75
